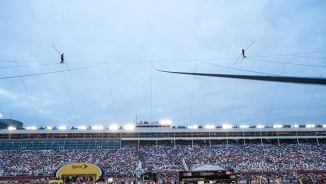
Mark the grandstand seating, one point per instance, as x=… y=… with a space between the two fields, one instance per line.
x=286 y=159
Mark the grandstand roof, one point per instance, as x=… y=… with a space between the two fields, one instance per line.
x=165 y=130
x=5 y=123
x=169 y=133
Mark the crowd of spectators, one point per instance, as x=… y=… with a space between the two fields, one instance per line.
x=168 y=159
x=258 y=157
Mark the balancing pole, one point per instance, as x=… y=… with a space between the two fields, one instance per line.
x=60 y=54
x=241 y=54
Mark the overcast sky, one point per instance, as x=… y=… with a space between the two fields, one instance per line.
x=110 y=47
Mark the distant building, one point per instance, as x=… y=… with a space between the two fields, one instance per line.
x=5 y=123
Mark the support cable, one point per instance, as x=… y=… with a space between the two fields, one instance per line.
x=107 y=69
x=312 y=97
x=235 y=93
x=2 y=114
x=278 y=84
x=72 y=105
x=193 y=91
x=151 y=95
x=28 y=95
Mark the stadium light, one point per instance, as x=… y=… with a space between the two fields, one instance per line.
x=62 y=128
x=244 y=126
x=310 y=126
x=209 y=126
x=0 y=115
x=129 y=127
x=226 y=126
x=260 y=126
x=49 y=128
x=295 y=126
x=31 y=128
x=324 y=126
x=277 y=126
x=11 y=128
x=165 y=122
x=193 y=127
x=97 y=127
x=82 y=128
x=113 y=127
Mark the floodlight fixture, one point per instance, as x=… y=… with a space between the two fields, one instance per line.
x=62 y=128
x=113 y=127
x=97 y=127
x=193 y=127
x=82 y=128
x=165 y=122
x=129 y=127
x=277 y=126
x=310 y=126
x=31 y=128
x=11 y=128
x=49 y=128
x=226 y=126
x=260 y=126
x=295 y=126
x=209 y=126
x=244 y=126
x=324 y=126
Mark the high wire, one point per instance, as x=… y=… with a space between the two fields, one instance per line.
x=45 y=73
x=21 y=66
x=287 y=63
x=289 y=54
x=250 y=71
x=257 y=72
x=186 y=60
x=322 y=58
x=80 y=68
x=200 y=60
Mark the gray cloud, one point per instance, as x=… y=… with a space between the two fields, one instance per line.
x=128 y=35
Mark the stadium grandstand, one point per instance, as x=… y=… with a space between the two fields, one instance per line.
x=43 y=138
x=257 y=154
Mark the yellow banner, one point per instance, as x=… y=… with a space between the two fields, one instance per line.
x=79 y=168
